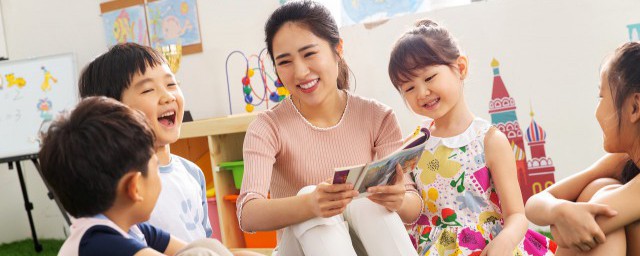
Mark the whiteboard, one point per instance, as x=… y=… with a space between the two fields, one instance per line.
x=32 y=93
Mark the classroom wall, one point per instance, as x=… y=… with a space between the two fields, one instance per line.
x=550 y=52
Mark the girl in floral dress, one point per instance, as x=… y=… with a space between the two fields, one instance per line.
x=471 y=201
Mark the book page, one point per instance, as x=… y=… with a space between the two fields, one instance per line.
x=383 y=172
x=347 y=174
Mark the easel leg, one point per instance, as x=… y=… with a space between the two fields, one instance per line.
x=51 y=194
x=28 y=206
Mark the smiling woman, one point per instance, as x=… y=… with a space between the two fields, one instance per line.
x=345 y=129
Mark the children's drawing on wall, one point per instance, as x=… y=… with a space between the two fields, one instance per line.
x=375 y=11
x=12 y=80
x=44 y=107
x=125 y=25
x=46 y=85
x=634 y=31
x=252 y=86
x=12 y=94
x=538 y=173
x=362 y=11
x=173 y=22
x=17 y=83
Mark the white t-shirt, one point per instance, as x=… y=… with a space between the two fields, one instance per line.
x=181 y=209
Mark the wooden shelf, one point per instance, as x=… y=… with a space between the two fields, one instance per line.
x=224 y=137
x=217 y=126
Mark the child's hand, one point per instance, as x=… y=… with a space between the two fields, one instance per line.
x=331 y=199
x=390 y=196
x=501 y=245
x=576 y=225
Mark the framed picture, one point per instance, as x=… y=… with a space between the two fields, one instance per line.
x=124 y=21
x=173 y=22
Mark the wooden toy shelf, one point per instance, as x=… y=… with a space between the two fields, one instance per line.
x=208 y=143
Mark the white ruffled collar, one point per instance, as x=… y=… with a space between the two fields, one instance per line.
x=477 y=128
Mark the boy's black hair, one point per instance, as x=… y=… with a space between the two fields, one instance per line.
x=85 y=154
x=111 y=73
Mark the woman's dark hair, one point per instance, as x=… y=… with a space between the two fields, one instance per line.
x=425 y=44
x=85 y=154
x=315 y=17
x=629 y=172
x=623 y=76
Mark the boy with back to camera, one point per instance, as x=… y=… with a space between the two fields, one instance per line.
x=101 y=164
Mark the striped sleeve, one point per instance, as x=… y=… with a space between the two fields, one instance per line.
x=389 y=139
x=388 y=136
x=259 y=152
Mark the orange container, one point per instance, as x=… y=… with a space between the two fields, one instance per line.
x=260 y=239
x=263 y=239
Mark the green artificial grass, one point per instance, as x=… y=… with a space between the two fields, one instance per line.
x=25 y=247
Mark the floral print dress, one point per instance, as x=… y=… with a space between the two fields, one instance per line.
x=461 y=211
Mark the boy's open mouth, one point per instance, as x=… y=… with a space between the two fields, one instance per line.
x=168 y=118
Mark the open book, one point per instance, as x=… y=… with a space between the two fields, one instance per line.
x=383 y=171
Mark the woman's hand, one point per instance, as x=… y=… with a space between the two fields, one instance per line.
x=390 y=196
x=330 y=199
x=576 y=227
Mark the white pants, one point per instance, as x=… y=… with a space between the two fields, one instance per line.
x=204 y=247
x=380 y=231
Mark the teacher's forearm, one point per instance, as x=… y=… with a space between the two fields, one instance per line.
x=273 y=214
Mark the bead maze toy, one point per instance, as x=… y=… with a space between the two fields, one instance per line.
x=249 y=88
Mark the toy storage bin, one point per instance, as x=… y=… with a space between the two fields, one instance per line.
x=260 y=239
x=237 y=169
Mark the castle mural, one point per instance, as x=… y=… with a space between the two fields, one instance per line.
x=536 y=174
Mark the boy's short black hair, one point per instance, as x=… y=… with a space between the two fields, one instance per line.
x=111 y=73
x=85 y=154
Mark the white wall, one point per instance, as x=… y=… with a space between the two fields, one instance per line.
x=549 y=50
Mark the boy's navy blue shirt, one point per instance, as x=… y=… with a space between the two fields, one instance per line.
x=100 y=236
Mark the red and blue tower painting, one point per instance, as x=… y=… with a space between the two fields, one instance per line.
x=540 y=167
x=532 y=176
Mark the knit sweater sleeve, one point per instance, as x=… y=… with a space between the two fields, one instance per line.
x=389 y=136
x=389 y=139
x=259 y=153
